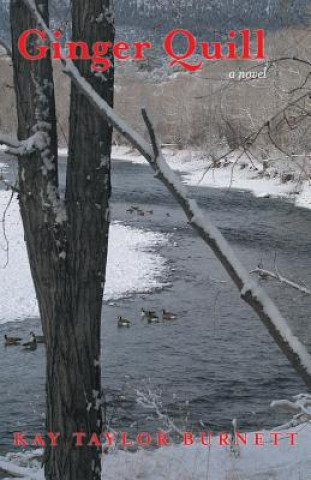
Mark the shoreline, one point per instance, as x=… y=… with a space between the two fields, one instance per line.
x=196 y=172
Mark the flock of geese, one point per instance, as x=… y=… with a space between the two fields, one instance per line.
x=34 y=339
x=151 y=317
x=141 y=213
x=31 y=344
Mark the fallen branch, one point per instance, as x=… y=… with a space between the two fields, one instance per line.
x=249 y=289
x=276 y=276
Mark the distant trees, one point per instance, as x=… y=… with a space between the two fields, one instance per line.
x=214 y=13
x=200 y=15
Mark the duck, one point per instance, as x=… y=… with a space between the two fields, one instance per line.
x=148 y=315
x=11 y=341
x=39 y=338
x=168 y=315
x=123 y=322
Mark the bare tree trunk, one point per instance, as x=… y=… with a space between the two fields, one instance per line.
x=67 y=238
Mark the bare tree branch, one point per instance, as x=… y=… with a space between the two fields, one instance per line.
x=276 y=276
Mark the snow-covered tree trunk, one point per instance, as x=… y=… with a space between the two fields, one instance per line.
x=67 y=237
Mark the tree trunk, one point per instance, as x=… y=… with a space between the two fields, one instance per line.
x=67 y=238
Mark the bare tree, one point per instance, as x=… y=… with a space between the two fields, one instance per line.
x=66 y=237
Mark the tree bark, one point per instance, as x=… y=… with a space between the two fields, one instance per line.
x=67 y=238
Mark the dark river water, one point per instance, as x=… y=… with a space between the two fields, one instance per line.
x=214 y=363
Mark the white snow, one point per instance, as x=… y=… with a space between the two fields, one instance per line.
x=128 y=154
x=131 y=268
x=193 y=166
x=268 y=462
x=118 y=152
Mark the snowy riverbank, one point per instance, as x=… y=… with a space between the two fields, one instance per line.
x=270 y=182
x=132 y=265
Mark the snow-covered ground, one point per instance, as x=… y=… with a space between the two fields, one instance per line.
x=194 y=166
x=197 y=462
x=130 y=268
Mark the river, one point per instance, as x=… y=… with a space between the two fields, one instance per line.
x=215 y=362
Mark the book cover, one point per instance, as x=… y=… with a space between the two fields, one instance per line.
x=154 y=240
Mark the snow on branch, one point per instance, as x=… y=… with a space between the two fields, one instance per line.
x=24 y=147
x=9 y=141
x=249 y=289
x=285 y=281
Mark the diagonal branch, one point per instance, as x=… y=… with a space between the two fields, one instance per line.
x=249 y=289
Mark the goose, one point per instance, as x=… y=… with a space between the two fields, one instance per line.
x=148 y=315
x=32 y=345
x=123 y=322
x=153 y=319
x=168 y=315
x=31 y=342
x=39 y=338
x=11 y=341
